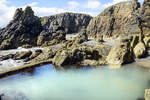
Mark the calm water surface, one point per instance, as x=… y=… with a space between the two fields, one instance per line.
x=45 y=83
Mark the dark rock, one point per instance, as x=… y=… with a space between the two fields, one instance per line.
x=23 y=55
x=71 y=22
x=9 y=56
x=47 y=38
x=22 y=30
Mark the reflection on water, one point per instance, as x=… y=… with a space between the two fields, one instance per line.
x=45 y=83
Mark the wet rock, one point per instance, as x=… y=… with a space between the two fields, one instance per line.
x=140 y=50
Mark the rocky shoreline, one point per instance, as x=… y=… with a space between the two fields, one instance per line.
x=66 y=38
x=52 y=34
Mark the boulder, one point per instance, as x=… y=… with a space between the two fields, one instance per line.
x=120 y=54
x=117 y=20
x=140 y=50
x=22 y=30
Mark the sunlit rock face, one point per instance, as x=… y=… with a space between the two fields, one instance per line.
x=119 y=19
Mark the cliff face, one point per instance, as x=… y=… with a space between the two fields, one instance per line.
x=71 y=22
x=57 y=26
x=115 y=20
x=145 y=17
x=22 y=30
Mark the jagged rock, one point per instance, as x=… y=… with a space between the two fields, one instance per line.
x=119 y=19
x=22 y=30
x=140 y=50
x=121 y=53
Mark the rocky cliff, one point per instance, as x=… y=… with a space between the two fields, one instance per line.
x=28 y=30
x=22 y=30
x=57 y=26
x=118 y=19
x=71 y=22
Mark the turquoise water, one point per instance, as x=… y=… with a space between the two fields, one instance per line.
x=45 y=83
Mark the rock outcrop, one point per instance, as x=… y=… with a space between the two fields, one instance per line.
x=119 y=19
x=140 y=50
x=22 y=30
x=80 y=54
x=121 y=53
x=57 y=26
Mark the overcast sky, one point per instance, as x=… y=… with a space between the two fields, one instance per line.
x=49 y=7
